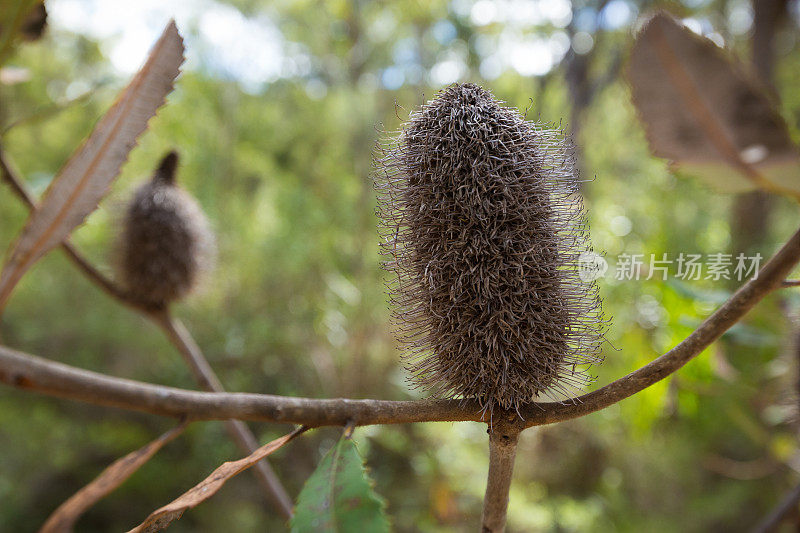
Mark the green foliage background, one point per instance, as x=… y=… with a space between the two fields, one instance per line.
x=296 y=305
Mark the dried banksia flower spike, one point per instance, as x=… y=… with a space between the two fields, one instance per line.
x=166 y=243
x=483 y=227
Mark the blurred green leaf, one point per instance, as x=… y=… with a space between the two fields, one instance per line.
x=718 y=296
x=339 y=497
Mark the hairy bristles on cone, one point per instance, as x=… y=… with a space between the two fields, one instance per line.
x=166 y=243
x=483 y=227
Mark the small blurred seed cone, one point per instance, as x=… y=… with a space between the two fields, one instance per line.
x=166 y=243
x=484 y=228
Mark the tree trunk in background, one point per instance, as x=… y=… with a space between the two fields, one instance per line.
x=579 y=85
x=767 y=18
x=580 y=96
x=751 y=211
x=582 y=86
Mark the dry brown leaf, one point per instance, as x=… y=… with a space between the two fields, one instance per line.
x=705 y=113
x=64 y=517
x=85 y=179
x=161 y=518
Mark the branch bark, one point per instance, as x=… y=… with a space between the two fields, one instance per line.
x=769 y=278
x=108 y=286
x=237 y=430
x=48 y=377
x=180 y=338
x=37 y=374
x=784 y=509
x=503 y=438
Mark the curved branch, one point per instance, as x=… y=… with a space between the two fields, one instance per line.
x=239 y=432
x=42 y=375
x=712 y=328
x=34 y=373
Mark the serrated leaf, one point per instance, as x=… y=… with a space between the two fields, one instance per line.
x=705 y=113
x=163 y=517
x=87 y=176
x=338 y=497
x=64 y=517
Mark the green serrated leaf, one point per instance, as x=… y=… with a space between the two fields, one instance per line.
x=338 y=496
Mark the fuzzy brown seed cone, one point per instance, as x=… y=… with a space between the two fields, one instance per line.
x=484 y=229
x=166 y=244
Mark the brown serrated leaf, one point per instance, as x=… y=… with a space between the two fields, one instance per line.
x=705 y=113
x=64 y=517
x=161 y=518
x=87 y=176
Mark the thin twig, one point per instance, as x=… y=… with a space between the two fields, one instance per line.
x=503 y=437
x=108 y=286
x=37 y=374
x=54 y=109
x=181 y=340
x=790 y=283
x=780 y=513
x=48 y=377
x=712 y=328
x=237 y=429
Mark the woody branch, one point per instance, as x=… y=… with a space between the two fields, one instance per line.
x=33 y=373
